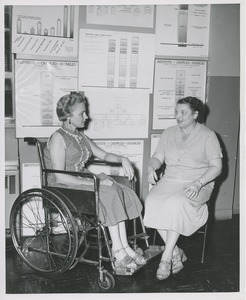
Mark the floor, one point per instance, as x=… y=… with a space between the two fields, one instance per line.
x=218 y=273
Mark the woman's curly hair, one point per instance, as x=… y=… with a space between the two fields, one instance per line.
x=64 y=105
x=195 y=105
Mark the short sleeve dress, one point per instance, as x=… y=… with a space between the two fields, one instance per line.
x=166 y=206
x=117 y=202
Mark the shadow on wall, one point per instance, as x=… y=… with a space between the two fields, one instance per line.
x=218 y=182
x=224 y=173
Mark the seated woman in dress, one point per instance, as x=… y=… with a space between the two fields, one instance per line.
x=176 y=205
x=69 y=149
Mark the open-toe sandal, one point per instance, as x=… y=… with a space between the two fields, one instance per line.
x=164 y=270
x=177 y=262
x=125 y=262
x=138 y=258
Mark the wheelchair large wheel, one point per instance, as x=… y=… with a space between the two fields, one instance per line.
x=43 y=231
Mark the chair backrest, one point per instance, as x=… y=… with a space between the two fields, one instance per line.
x=40 y=148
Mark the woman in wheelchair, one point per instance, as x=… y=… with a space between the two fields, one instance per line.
x=69 y=149
x=177 y=203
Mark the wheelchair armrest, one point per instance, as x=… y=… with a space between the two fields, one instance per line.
x=74 y=173
x=30 y=140
x=104 y=162
x=118 y=178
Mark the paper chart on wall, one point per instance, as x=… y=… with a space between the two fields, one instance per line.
x=182 y=30
x=121 y=15
x=30 y=176
x=38 y=87
x=154 y=141
x=117 y=114
x=175 y=79
x=133 y=149
x=113 y=59
x=45 y=30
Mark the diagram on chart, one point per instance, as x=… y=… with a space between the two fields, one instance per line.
x=39 y=85
x=118 y=117
x=123 y=64
x=182 y=30
x=39 y=31
x=182 y=25
x=176 y=79
x=116 y=60
x=60 y=27
x=117 y=114
x=179 y=84
x=121 y=15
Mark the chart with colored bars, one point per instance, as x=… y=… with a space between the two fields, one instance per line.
x=61 y=27
x=122 y=76
x=179 y=84
x=182 y=25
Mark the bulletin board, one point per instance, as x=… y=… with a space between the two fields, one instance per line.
x=119 y=65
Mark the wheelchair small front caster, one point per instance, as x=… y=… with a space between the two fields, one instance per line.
x=106 y=281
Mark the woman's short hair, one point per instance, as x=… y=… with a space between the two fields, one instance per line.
x=195 y=105
x=65 y=104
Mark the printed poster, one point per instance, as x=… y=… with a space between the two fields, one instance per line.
x=38 y=87
x=121 y=15
x=45 y=30
x=182 y=30
x=110 y=59
x=175 y=79
x=132 y=149
x=117 y=114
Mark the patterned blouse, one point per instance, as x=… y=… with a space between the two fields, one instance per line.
x=77 y=150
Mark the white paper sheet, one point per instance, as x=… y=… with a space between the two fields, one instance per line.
x=116 y=59
x=121 y=15
x=175 y=79
x=45 y=30
x=133 y=149
x=30 y=176
x=182 y=30
x=38 y=87
x=117 y=114
x=154 y=141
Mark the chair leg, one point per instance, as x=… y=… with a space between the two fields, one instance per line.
x=135 y=236
x=154 y=237
x=204 y=242
x=134 y=233
x=144 y=231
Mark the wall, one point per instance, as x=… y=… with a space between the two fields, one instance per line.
x=223 y=101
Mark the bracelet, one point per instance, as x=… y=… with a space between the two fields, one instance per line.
x=200 y=182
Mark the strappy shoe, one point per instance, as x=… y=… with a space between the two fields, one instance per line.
x=177 y=262
x=138 y=258
x=125 y=262
x=164 y=270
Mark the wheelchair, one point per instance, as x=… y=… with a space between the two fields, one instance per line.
x=52 y=228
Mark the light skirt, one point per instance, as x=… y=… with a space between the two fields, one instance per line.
x=167 y=207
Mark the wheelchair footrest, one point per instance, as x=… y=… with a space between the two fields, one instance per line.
x=149 y=253
x=138 y=236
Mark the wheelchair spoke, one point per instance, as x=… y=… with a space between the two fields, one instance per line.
x=43 y=232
